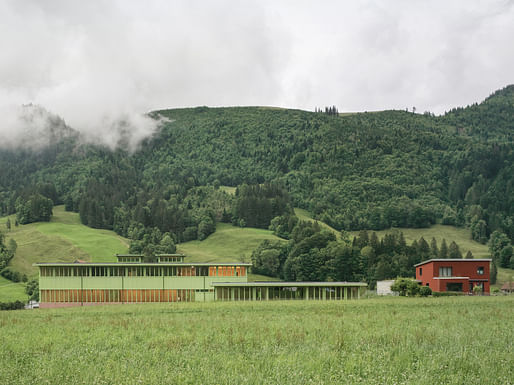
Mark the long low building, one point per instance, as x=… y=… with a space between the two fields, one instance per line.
x=170 y=279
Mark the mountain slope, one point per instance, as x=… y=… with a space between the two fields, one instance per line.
x=358 y=171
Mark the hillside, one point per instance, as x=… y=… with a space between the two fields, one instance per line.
x=12 y=291
x=63 y=239
x=206 y=167
x=227 y=244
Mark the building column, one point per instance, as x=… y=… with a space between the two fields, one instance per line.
x=345 y=292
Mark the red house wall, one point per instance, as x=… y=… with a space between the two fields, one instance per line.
x=461 y=268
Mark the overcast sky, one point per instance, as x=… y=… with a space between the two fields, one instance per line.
x=95 y=62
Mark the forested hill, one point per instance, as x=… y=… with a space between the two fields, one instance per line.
x=359 y=171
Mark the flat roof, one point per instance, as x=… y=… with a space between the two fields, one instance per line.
x=454 y=260
x=76 y=264
x=157 y=255
x=286 y=284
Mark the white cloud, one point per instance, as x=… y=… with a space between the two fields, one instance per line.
x=101 y=62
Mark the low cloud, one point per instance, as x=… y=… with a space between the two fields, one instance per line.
x=102 y=65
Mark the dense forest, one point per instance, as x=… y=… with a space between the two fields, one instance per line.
x=360 y=171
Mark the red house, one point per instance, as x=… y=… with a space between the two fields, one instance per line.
x=454 y=274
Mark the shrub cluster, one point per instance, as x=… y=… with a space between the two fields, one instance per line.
x=410 y=287
x=16 y=305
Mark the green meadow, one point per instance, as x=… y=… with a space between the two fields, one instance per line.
x=452 y=340
x=12 y=291
x=63 y=239
x=228 y=244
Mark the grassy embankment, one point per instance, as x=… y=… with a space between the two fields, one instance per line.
x=459 y=340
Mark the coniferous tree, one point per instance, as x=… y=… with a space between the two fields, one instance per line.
x=454 y=251
x=434 y=250
x=469 y=255
x=493 y=273
x=443 y=251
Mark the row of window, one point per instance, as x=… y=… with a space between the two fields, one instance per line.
x=447 y=271
x=139 y=295
x=276 y=293
x=142 y=271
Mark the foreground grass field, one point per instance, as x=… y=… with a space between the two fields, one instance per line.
x=376 y=341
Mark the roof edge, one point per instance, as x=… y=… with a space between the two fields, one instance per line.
x=453 y=260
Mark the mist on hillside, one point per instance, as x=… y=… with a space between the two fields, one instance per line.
x=101 y=66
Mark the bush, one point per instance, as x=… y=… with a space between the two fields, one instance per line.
x=12 y=305
x=425 y=291
x=11 y=275
x=32 y=290
x=406 y=287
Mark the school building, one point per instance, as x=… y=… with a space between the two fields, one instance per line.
x=171 y=279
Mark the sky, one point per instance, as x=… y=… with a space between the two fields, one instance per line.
x=101 y=65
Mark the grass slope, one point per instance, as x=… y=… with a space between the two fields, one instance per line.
x=64 y=239
x=227 y=244
x=423 y=341
x=461 y=236
x=304 y=215
x=11 y=291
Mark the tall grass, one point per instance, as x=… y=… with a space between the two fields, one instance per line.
x=379 y=341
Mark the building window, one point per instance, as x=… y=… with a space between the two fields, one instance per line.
x=420 y=271
x=480 y=270
x=445 y=271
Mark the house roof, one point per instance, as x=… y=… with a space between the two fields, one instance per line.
x=453 y=260
x=508 y=286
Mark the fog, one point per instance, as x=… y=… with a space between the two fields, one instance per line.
x=100 y=66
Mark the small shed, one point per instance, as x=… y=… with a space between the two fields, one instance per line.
x=508 y=287
x=384 y=287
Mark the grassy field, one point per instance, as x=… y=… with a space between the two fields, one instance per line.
x=227 y=244
x=304 y=215
x=63 y=239
x=454 y=340
x=11 y=291
x=228 y=189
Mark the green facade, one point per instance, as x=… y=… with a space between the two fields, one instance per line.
x=78 y=284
